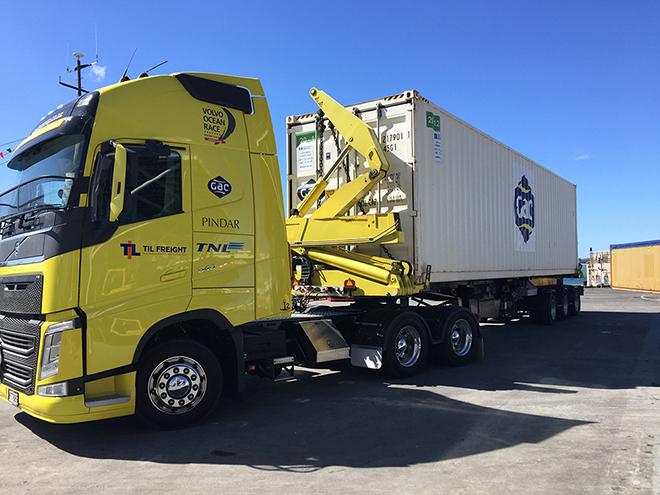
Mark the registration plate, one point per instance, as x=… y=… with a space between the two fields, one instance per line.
x=12 y=396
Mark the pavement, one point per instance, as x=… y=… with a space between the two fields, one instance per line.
x=571 y=408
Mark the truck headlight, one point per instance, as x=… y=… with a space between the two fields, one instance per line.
x=50 y=355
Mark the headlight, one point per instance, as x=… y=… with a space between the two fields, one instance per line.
x=50 y=355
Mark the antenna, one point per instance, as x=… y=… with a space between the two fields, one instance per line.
x=124 y=76
x=146 y=72
x=78 y=69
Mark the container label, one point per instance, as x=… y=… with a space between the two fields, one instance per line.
x=524 y=209
x=433 y=123
x=306 y=153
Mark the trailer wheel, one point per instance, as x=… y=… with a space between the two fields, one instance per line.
x=563 y=304
x=574 y=305
x=461 y=337
x=178 y=382
x=546 y=311
x=406 y=345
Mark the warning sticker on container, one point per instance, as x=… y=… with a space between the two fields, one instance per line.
x=433 y=123
x=524 y=208
x=306 y=153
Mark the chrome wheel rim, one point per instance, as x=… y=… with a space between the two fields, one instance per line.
x=461 y=337
x=177 y=385
x=408 y=346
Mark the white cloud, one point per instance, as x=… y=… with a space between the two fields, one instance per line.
x=582 y=156
x=99 y=71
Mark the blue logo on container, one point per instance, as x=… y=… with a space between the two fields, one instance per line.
x=219 y=186
x=523 y=207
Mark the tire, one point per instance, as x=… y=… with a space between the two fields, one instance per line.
x=462 y=341
x=562 y=304
x=178 y=383
x=574 y=305
x=406 y=345
x=546 y=310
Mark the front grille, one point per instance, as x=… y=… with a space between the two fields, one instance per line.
x=19 y=344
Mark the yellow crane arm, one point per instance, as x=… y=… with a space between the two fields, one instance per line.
x=362 y=139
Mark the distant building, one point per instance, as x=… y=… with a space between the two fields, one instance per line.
x=598 y=269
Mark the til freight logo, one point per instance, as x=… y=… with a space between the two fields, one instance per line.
x=130 y=249
x=523 y=207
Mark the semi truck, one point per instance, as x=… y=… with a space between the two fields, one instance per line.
x=147 y=266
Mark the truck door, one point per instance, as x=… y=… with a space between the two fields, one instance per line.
x=136 y=270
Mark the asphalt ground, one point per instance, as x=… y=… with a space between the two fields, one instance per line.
x=571 y=408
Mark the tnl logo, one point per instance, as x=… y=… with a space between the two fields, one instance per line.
x=130 y=249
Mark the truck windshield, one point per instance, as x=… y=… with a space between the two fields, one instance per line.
x=41 y=176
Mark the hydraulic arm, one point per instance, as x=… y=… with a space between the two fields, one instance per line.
x=325 y=234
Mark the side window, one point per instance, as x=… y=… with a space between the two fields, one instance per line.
x=153 y=183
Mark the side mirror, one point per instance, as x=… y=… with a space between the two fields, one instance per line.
x=118 y=183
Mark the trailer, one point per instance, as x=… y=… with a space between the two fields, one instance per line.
x=479 y=221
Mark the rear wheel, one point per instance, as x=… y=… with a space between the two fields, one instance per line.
x=562 y=304
x=461 y=338
x=546 y=309
x=574 y=305
x=406 y=345
x=178 y=382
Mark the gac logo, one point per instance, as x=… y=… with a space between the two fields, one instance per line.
x=219 y=186
x=130 y=249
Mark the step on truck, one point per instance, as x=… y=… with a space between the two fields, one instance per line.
x=147 y=265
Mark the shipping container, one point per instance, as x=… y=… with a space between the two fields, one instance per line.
x=470 y=207
x=636 y=265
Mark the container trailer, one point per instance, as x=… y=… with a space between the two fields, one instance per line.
x=146 y=264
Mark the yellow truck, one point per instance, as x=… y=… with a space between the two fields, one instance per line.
x=146 y=262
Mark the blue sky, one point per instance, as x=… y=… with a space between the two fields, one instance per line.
x=573 y=85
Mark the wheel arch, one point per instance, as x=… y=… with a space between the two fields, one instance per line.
x=207 y=326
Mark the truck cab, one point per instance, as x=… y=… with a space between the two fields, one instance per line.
x=133 y=218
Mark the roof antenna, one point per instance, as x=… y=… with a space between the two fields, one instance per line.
x=78 y=69
x=146 y=72
x=124 y=76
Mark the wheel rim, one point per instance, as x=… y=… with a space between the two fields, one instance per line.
x=461 y=337
x=177 y=385
x=408 y=346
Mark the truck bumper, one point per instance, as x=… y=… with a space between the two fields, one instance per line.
x=62 y=410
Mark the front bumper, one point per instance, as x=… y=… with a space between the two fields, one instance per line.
x=72 y=409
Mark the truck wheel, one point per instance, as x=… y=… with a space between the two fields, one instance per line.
x=406 y=345
x=546 y=311
x=461 y=338
x=562 y=304
x=574 y=304
x=178 y=382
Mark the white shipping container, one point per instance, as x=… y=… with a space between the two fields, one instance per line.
x=469 y=206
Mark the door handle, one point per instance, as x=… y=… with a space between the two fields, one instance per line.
x=174 y=275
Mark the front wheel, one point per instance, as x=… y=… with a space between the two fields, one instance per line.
x=406 y=345
x=178 y=382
